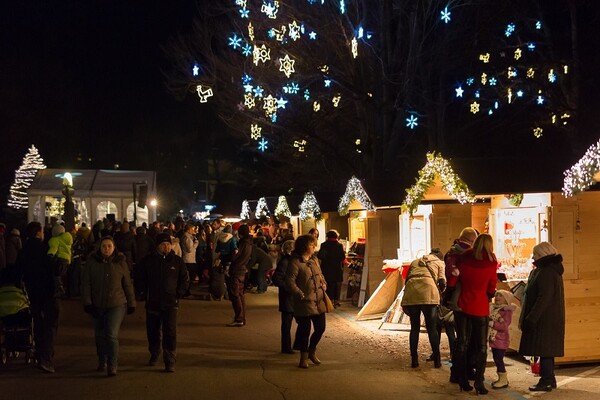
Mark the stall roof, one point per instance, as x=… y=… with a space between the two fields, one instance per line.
x=92 y=182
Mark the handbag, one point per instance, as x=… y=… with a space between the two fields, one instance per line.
x=328 y=304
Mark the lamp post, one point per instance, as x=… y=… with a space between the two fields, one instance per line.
x=69 y=211
x=141 y=201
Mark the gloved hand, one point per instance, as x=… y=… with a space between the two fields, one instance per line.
x=90 y=309
x=441 y=285
x=130 y=310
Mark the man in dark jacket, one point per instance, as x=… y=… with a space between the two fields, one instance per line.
x=162 y=280
x=38 y=273
x=332 y=256
x=237 y=276
x=542 y=320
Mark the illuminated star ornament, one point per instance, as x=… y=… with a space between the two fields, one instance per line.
x=474 y=107
x=249 y=100
x=445 y=15
x=286 y=65
x=261 y=53
x=459 y=91
x=262 y=144
x=255 y=131
x=412 y=122
x=204 y=92
x=270 y=9
x=537 y=132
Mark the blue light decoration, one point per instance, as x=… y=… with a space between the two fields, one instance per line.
x=258 y=91
x=496 y=105
x=360 y=32
x=195 y=70
x=538 y=25
x=540 y=100
x=281 y=102
x=531 y=46
x=247 y=50
x=476 y=94
x=262 y=144
x=510 y=28
x=235 y=41
x=291 y=88
x=445 y=15
x=307 y=95
x=369 y=35
x=520 y=93
x=490 y=111
x=311 y=1
x=271 y=33
x=248 y=88
x=412 y=122
x=470 y=81
x=246 y=79
x=342 y=6
x=327 y=82
x=459 y=91
x=312 y=35
x=551 y=76
x=493 y=81
x=245 y=13
x=274 y=117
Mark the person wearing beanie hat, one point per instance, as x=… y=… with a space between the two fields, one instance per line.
x=59 y=247
x=437 y=252
x=161 y=280
x=542 y=320
x=501 y=311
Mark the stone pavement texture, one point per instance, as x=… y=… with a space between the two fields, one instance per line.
x=359 y=361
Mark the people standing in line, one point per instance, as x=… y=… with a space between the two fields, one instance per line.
x=107 y=294
x=501 y=311
x=285 y=299
x=425 y=280
x=125 y=242
x=162 y=280
x=13 y=247
x=332 y=256
x=305 y=281
x=450 y=297
x=477 y=278
x=59 y=247
x=236 y=285
x=189 y=244
x=542 y=320
x=38 y=273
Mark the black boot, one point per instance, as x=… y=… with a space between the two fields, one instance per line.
x=414 y=361
x=480 y=387
x=437 y=361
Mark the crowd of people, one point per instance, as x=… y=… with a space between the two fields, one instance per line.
x=113 y=267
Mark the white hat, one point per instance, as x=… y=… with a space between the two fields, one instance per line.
x=508 y=296
x=543 y=249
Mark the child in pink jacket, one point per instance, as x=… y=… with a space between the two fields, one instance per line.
x=501 y=311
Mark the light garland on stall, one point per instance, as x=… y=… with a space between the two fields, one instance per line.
x=354 y=191
x=245 y=213
x=436 y=166
x=283 y=209
x=581 y=175
x=309 y=208
x=262 y=209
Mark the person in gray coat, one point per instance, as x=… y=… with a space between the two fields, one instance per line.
x=107 y=294
x=285 y=299
x=306 y=283
x=542 y=320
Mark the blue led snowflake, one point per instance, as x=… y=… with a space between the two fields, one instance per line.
x=360 y=32
x=510 y=28
x=538 y=25
x=470 y=81
x=445 y=15
x=531 y=46
x=493 y=81
x=244 y=13
x=552 y=77
x=235 y=41
x=307 y=95
x=342 y=6
x=246 y=79
x=412 y=122
x=477 y=95
x=247 y=50
x=327 y=82
x=262 y=144
x=291 y=88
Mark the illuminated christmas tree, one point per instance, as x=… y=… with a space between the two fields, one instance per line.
x=32 y=163
x=262 y=209
x=245 y=213
x=283 y=209
x=309 y=208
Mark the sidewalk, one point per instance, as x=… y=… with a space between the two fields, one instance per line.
x=360 y=361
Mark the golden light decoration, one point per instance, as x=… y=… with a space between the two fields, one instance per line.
x=270 y=9
x=553 y=118
x=511 y=72
x=316 y=106
x=324 y=68
x=255 y=131
x=286 y=65
x=530 y=73
x=565 y=117
x=241 y=3
x=509 y=94
x=336 y=100
x=299 y=144
x=357 y=142
x=294 y=31
x=249 y=100
x=354 y=47
x=270 y=105
x=537 y=132
x=483 y=78
x=280 y=34
x=518 y=54
x=474 y=107
x=485 y=58
x=565 y=69
x=204 y=92
x=251 y=31
x=261 y=53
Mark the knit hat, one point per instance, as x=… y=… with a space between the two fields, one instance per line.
x=227 y=229
x=163 y=237
x=58 y=230
x=543 y=249
x=236 y=226
x=438 y=253
x=468 y=235
x=508 y=296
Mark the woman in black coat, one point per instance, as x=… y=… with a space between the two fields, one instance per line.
x=285 y=298
x=543 y=314
x=332 y=256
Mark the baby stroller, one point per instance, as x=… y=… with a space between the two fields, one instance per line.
x=16 y=326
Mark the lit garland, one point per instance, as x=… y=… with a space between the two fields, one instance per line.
x=245 y=213
x=581 y=175
x=283 y=209
x=32 y=163
x=354 y=191
x=436 y=166
x=309 y=208
x=262 y=209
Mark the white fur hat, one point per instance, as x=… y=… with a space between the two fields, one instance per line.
x=543 y=249
x=508 y=296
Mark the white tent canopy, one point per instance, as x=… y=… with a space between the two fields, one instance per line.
x=98 y=194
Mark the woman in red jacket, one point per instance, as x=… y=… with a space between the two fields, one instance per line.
x=477 y=279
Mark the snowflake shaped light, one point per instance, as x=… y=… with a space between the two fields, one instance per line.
x=412 y=121
x=474 y=107
x=510 y=28
x=286 y=65
x=493 y=81
x=291 y=88
x=247 y=50
x=354 y=191
x=235 y=41
x=551 y=76
x=306 y=95
x=445 y=15
x=204 y=92
x=255 y=131
x=244 y=13
x=262 y=144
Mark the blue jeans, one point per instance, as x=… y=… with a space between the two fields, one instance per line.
x=108 y=323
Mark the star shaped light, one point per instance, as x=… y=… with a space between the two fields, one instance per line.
x=258 y=91
x=270 y=9
x=459 y=91
x=445 y=15
x=249 y=100
x=294 y=31
x=261 y=53
x=286 y=65
x=281 y=102
x=244 y=13
x=493 y=81
x=412 y=122
x=204 y=93
x=474 y=107
x=312 y=35
x=255 y=131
